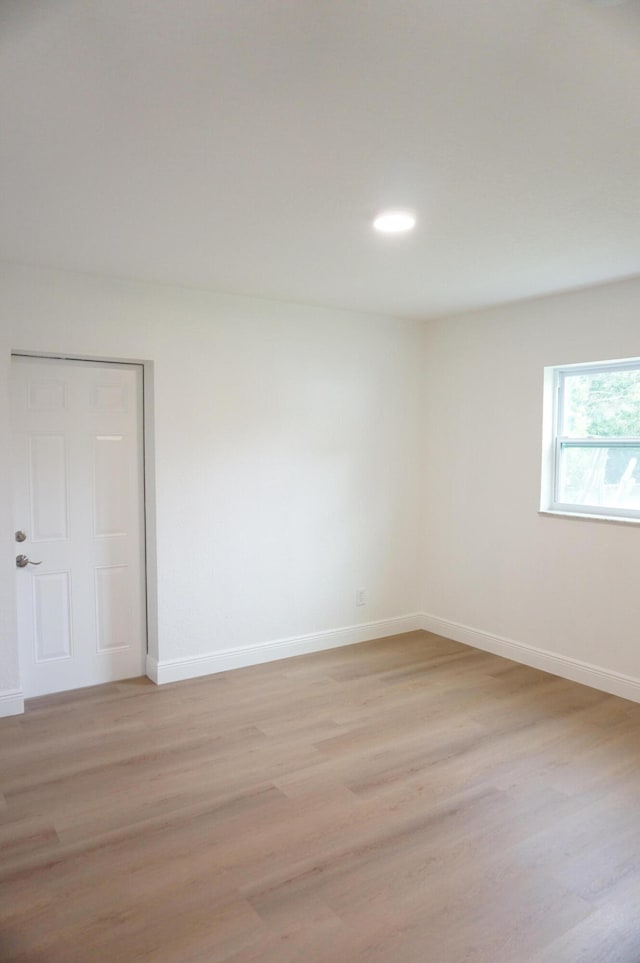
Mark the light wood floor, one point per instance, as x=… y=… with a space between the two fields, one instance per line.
x=408 y=799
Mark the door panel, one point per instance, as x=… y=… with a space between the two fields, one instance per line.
x=78 y=496
x=110 y=488
x=113 y=606
x=52 y=616
x=48 y=487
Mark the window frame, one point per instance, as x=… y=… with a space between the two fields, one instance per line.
x=555 y=444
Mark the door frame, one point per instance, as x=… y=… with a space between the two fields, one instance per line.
x=150 y=564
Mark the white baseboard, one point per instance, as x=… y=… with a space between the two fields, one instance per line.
x=575 y=669
x=175 y=670
x=11 y=702
x=190 y=667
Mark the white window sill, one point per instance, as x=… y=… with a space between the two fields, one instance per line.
x=616 y=519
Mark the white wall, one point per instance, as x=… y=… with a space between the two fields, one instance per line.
x=491 y=561
x=286 y=457
x=303 y=453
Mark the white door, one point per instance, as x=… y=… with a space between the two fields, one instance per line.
x=78 y=499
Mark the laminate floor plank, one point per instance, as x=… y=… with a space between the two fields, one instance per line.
x=406 y=799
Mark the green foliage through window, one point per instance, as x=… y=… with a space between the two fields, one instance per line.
x=603 y=404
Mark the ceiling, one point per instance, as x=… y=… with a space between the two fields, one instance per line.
x=245 y=145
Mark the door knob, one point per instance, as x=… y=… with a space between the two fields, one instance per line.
x=20 y=537
x=22 y=561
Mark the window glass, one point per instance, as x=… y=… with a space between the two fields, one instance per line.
x=602 y=404
x=592 y=430
x=601 y=477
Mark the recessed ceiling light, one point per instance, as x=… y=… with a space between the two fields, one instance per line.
x=394 y=222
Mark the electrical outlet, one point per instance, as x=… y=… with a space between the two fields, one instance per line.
x=360 y=597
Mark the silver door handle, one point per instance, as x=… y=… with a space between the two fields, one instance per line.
x=22 y=561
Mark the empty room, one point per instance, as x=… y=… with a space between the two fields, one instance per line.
x=320 y=486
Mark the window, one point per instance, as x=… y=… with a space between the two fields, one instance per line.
x=592 y=439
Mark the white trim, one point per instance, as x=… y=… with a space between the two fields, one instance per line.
x=616 y=519
x=555 y=444
x=626 y=686
x=151 y=668
x=11 y=702
x=590 y=367
x=190 y=667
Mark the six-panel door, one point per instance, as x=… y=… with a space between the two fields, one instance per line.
x=78 y=497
